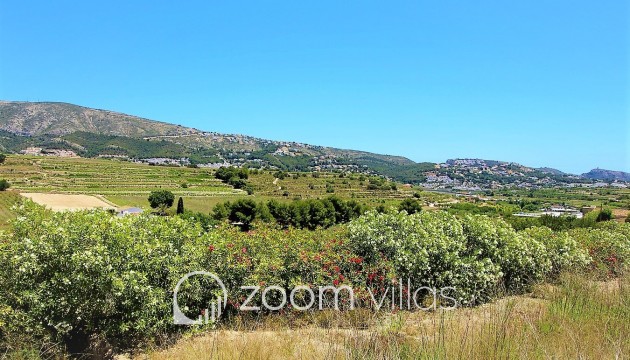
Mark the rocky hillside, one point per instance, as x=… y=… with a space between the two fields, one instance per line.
x=50 y=118
x=607 y=175
x=59 y=128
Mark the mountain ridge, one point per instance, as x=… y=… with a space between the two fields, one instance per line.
x=96 y=132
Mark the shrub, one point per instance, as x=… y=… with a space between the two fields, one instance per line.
x=286 y=258
x=4 y=185
x=563 y=250
x=608 y=246
x=411 y=206
x=522 y=260
x=604 y=215
x=428 y=248
x=74 y=275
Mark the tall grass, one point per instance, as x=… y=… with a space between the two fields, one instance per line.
x=577 y=318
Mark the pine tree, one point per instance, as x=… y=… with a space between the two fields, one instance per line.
x=180 y=206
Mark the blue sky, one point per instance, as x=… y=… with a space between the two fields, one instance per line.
x=543 y=83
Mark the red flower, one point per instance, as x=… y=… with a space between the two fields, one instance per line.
x=244 y=250
x=211 y=248
x=356 y=260
x=230 y=245
x=335 y=282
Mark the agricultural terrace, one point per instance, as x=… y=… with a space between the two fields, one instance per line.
x=129 y=184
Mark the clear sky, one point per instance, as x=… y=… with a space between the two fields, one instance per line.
x=543 y=83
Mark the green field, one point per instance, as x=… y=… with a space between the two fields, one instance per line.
x=106 y=177
x=129 y=184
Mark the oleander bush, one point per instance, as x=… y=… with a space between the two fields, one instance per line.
x=73 y=277
x=608 y=246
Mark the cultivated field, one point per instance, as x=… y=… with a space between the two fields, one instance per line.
x=128 y=184
x=61 y=202
x=106 y=177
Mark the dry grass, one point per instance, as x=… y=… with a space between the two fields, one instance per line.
x=62 y=202
x=575 y=319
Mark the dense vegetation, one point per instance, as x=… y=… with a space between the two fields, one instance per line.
x=4 y=185
x=303 y=214
x=86 y=277
x=235 y=177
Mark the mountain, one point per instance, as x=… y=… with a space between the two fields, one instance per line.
x=608 y=175
x=53 y=118
x=60 y=128
x=93 y=132
x=553 y=171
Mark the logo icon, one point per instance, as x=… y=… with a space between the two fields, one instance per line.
x=212 y=314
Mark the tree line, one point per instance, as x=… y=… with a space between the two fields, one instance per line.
x=303 y=214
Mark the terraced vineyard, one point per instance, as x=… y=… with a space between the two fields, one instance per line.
x=107 y=177
x=305 y=185
x=128 y=184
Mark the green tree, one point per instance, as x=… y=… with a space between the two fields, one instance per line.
x=244 y=212
x=4 y=185
x=2 y=158
x=161 y=200
x=604 y=215
x=180 y=206
x=221 y=211
x=411 y=206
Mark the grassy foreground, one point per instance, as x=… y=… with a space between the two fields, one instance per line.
x=576 y=318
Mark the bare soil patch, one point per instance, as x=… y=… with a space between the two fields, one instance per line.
x=65 y=202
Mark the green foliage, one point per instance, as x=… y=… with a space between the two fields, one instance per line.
x=609 y=247
x=233 y=176
x=206 y=221
x=230 y=172
x=93 y=145
x=563 y=250
x=428 y=248
x=242 y=212
x=280 y=175
x=555 y=223
x=2 y=158
x=70 y=275
x=180 y=206
x=475 y=254
x=4 y=185
x=304 y=214
x=161 y=200
x=410 y=206
x=604 y=215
